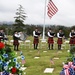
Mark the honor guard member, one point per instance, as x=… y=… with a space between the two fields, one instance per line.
x=16 y=37
x=60 y=35
x=36 y=35
x=1 y=35
x=50 y=38
x=72 y=37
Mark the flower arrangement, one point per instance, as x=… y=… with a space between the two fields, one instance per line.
x=9 y=63
x=69 y=66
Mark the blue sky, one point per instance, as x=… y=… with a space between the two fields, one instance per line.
x=34 y=9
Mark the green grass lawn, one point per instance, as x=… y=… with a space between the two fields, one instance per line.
x=37 y=66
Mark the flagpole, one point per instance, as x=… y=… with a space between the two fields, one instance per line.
x=44 y=21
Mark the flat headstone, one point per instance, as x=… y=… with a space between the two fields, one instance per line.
x=48 y=70
x=44 y=51
x=36 y=57
x=55 y=58
x=59 y=51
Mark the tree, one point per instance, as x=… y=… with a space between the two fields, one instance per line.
x=19 y=19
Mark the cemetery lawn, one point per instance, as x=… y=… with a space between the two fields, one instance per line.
x=37 y=66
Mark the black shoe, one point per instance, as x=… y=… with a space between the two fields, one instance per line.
x=36 y=48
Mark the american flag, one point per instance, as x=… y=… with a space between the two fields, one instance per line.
x=51 y=61
x=52 y=9
x=23 y=61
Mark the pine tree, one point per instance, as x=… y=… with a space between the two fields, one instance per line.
x=19 y=19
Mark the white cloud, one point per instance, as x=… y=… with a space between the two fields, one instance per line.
x=34 y=9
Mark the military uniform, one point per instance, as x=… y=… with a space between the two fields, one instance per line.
x=36 y=39
x=16 y=42
x=50 y=39
x=59 y=41
x=72 y=38
x=1 y=36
